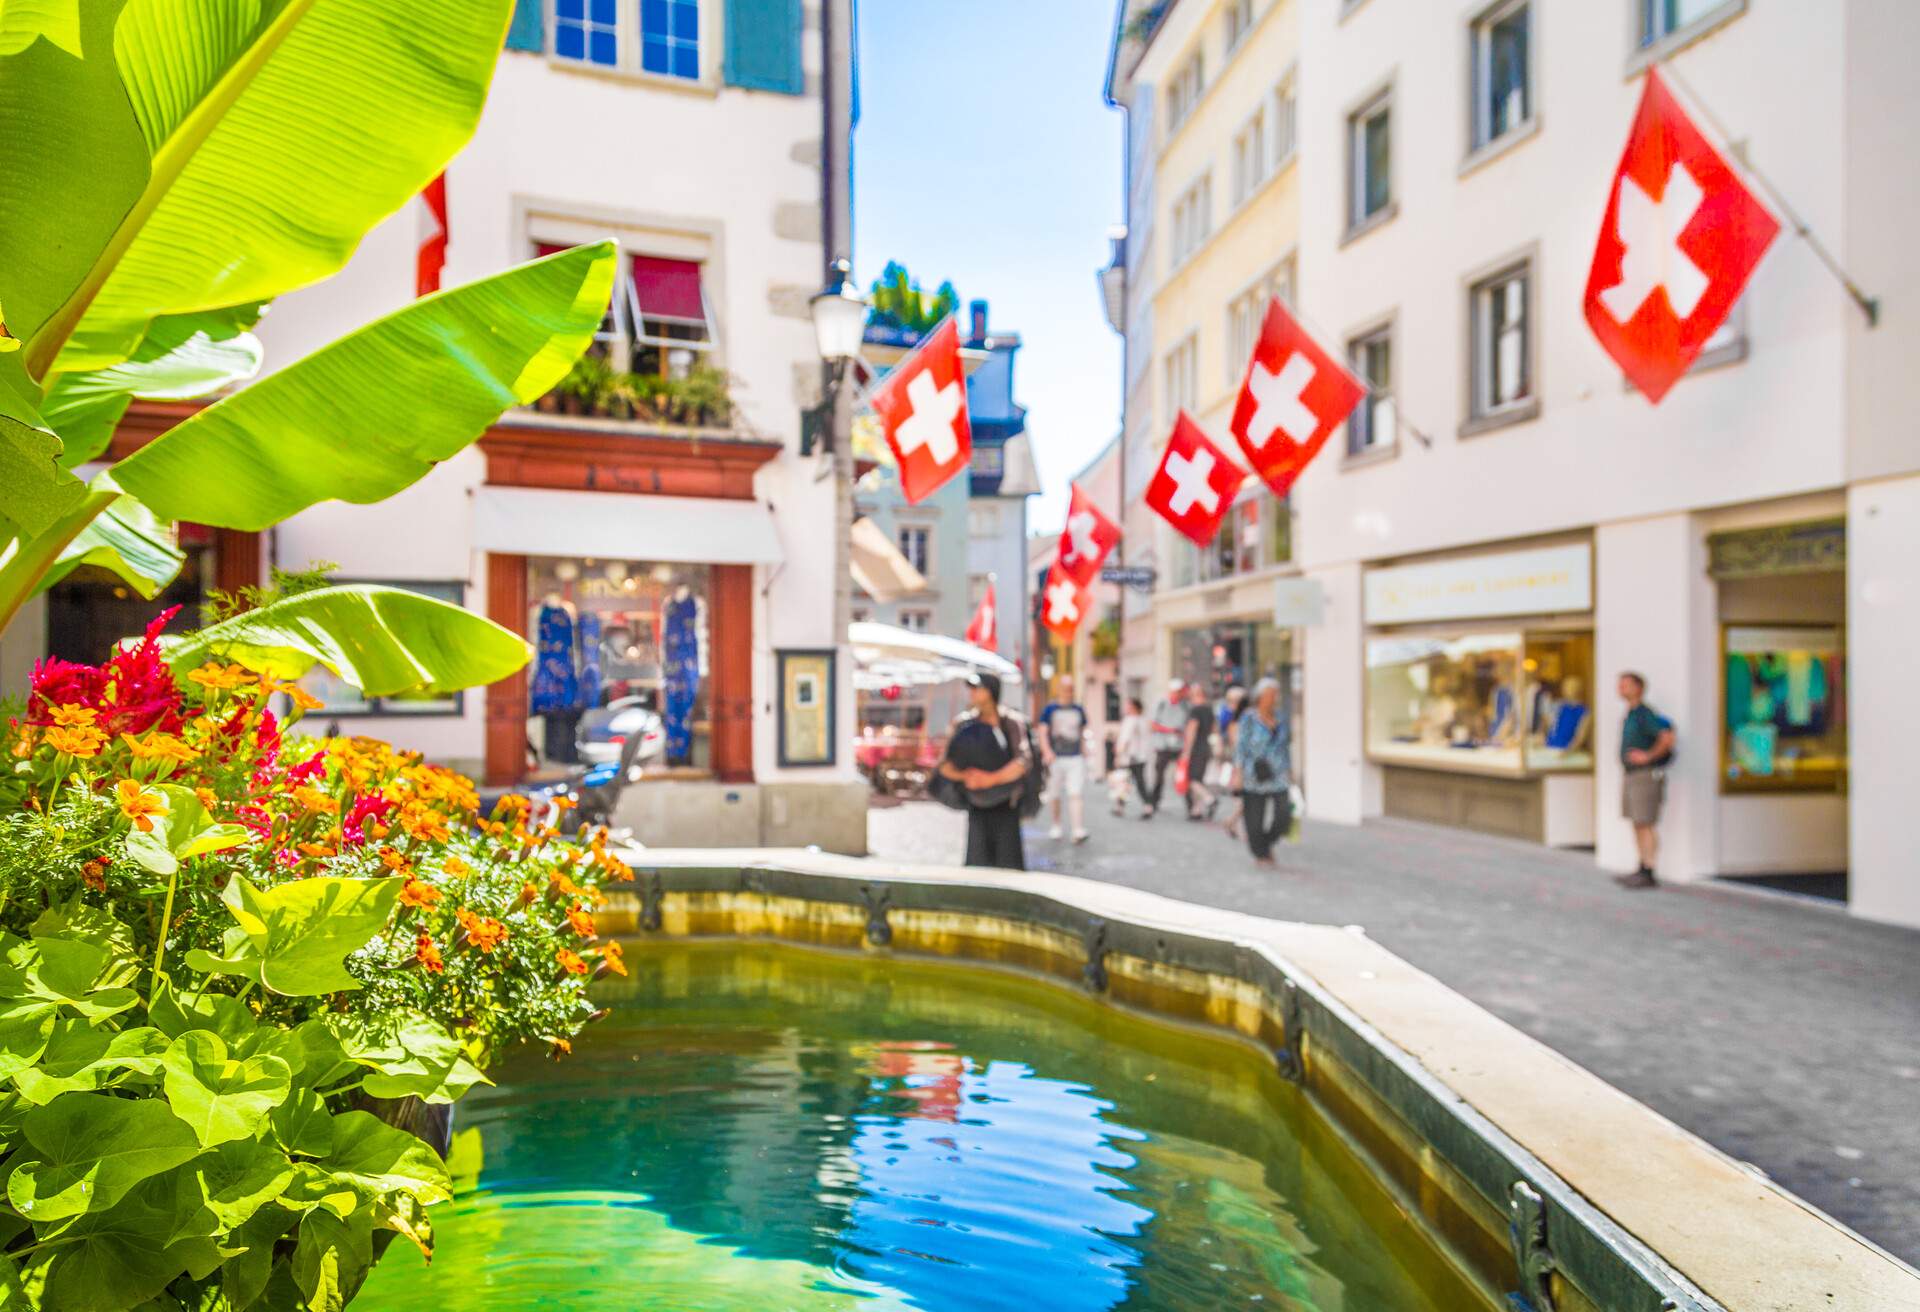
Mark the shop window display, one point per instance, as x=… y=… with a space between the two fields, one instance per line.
x=1506 y=702
x=1784 y=709
x=1219 y=656
x=621 y=648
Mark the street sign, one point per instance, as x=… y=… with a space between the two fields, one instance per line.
x=1130 y=576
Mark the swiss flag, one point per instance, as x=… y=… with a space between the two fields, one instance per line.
x=432 y=256
x=1681 y=236
x=923 y=407
x=983 y=630
x=1195 y=485
x=1064 y=602
x=1086 y=540
x=1294 y=395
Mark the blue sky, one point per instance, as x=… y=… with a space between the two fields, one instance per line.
x=986 y=155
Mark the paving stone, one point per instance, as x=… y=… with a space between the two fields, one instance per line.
x=1784 y=1034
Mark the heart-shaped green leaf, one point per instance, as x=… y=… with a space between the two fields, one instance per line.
x=84 y=1056
x=303 y=930
x=377 y=1157
x=303 y=1124
x=241 y=1177
x=90 y=1149
x=121 y=1256
x=222 y=1099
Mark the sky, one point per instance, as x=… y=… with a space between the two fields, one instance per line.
x=987 y=155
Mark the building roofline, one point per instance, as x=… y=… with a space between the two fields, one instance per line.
x=1119 y=39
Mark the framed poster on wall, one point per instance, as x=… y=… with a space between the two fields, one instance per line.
x=806 y=707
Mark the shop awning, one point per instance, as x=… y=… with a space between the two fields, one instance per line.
x=621 y=526
x=878 y=567
x=884 y=654
x=668 y=289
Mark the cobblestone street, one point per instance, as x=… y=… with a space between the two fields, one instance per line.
x=1787 y=1035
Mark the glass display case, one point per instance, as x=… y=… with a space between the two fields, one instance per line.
x=1783 y=704
x=1501 y=701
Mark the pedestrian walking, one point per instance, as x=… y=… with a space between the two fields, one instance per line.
x=1063 y=743
x=1646 y=748
x=1165 y=728
x=1131 y=755
x=1263 y=757
x=1232 y=707
x=986 y=767
x=1197 y=752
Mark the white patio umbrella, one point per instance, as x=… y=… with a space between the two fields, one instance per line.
x=884 y=655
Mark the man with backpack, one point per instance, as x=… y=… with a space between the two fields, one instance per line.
x=1646 y=748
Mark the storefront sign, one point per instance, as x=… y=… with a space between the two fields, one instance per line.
x=1299 y=603
x=806 y=708
x=1818 y=546
x=1539 y=581
x=1130 y=576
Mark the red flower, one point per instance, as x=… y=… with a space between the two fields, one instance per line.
x=367 y=808
x=132 y=693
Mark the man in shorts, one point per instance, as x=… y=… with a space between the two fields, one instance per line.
x=1063 y=741
x=1646 y=745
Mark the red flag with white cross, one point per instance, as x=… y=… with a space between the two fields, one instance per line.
x=983 y=630
x=431 y=259
x=1194 y=487
x=923 y=407
x=1086 y=540
x=1064 y=603
x=1681 y=236
x=1294 y=396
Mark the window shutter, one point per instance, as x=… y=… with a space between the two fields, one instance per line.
x=525 y=32
x=763 y=45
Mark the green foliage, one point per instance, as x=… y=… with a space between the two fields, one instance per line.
x=281 y=584
x=703 y=397
x=896 y=301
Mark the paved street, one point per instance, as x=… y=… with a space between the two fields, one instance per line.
x=1786 y=1035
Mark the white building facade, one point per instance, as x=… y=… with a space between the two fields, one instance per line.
x=1507 y=527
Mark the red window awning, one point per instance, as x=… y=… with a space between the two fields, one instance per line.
x=668 y=289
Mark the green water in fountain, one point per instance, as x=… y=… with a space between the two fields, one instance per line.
x=759 y=1127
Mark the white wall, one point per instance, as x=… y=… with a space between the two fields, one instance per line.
x=1339 y=784
x=1883 y=635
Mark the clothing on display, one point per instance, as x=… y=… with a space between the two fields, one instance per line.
x=556 y=682
x=680 y=660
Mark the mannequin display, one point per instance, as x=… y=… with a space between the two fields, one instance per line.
x=590 y=674
x=680 y=671
x=1571 y=726
x=554 y=693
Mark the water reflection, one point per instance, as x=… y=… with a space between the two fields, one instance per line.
x=760 y=1128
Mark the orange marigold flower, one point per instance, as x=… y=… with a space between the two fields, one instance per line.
x=159 y=747
x=139 y=805
x=68 y=717
x=425 y=825
x=453 y=865
x=24 y=747
x=208 y=798
x=613 y=959
x=418 y=893
x=428 y=955
x=302 y=699
x=484 y=932
x=581 y=920
x=559 y=884
x=217 y=677
x=94 y=874
x=528 y=892
x=570 y=961
x=82 y=740
x=319 y=850
x=395 y=862
x=316 y=801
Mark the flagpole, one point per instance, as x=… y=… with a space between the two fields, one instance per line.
x=1869 y=305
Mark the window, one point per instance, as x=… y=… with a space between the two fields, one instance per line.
x=1483 y=701
x=1192 y=218
x=1248 y=311
x=1783 y=708
x=916 y=544
x=1502 y=71
x=1370 y=160
x=1372 y=425
x=1251 y=162
x=1283 y=122
x=988 y=461
x=1502 y=349
x=1183 y=93
x=658 y=37
x=1183 y=377
x=861 y=615
x=670 y=37
x=983 y=520
x=920 y=621
x=658 y=321
x=1239 y=22
x=1660 y=19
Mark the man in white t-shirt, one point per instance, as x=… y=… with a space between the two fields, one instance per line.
x=1063 y=741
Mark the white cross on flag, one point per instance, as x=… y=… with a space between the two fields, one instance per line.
x=983 y=630
x=1681 y=237
x=923 y=406
x=1195 y=485
x=1294 y=396
x=1086 y=540
x=1064 y=602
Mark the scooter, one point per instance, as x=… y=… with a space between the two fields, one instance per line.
x=595 y=791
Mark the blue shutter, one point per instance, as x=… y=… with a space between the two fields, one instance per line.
x=763 y=45
x=525 y=33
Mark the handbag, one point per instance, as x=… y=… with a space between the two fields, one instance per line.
x=1180 y=779
x=1263 y=771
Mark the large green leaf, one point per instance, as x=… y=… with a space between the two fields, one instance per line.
x=302 y=931
x=384 y=641
x=89 y=1149
x=408 y=1056
x=379 y=1158
x=220 y=1098
x=266 y=171
x=26 y=1026
x=183 y=831
x=40 y=490
x=127 y=539
x=370 y=414
x=22 y=22
x=333 y=1255
x=239 y=1178
x=83 y=1056
x=122 y=1256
